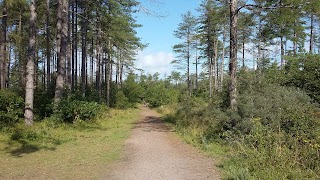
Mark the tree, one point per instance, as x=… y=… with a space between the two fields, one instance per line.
x=28 y=114
x=62 y=34
x=233 y=55
x=3 y=49
x=186 y=31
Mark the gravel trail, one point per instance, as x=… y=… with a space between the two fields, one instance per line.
x=153 y=152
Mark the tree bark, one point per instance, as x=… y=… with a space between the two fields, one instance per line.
x=76 y=46
x=215 y=64
x=48 y=48
x=3 y=49
x=108 y=78
x=69 y=52
x=28 y=111
x=222 y=59
x=233 y=55
x=98 y=64
x=62 y=35
x=84 y=51
x=311 y=34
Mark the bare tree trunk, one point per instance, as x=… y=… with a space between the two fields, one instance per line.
x=295 y=42
x=109 y=75
x=28 y=113
x=76 y=46
x=210 y=77
x=233 y=55
x=62 y=35
x=197 y=86
x=311 y=34
x=223 y=54
x=188 y=64
x=84 y=52
x=3 y=49
x=92 y=61
x=215 y=64
x=48 y=48
x=98 y=64
x=243 y=64
x=69 y=53
x=73 y=46
x=21 y=54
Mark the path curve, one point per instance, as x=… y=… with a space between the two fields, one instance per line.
x=154 y=152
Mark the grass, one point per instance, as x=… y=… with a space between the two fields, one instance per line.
x=76 y=151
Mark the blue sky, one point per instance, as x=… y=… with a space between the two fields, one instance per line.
x=158 y=33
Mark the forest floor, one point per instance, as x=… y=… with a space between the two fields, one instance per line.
x=154 y=151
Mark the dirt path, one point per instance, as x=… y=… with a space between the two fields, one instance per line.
x=153 y=152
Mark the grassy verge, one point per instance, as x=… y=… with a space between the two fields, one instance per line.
x=77 y=151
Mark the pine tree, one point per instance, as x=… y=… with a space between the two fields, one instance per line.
x=29 y=97
x=186 y=32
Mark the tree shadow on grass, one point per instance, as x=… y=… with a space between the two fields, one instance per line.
x=25 y=148
x=18 y=148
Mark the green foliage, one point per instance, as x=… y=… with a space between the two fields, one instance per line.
x=11 y=107
x=43 y=106
x=157 y=95
x=122 y=102
x=303 y=72
x=73 y=110
x=274 y=133
x=132 y=90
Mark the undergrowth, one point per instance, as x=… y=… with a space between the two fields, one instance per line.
x=275 y=134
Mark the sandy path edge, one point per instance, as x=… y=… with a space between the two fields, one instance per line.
x=154 y=152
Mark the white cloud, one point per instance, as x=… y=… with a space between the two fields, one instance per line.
x=155 y=62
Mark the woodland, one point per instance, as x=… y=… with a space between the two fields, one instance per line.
x=246 y=88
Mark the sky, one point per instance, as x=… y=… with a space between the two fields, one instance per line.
x=157 y=32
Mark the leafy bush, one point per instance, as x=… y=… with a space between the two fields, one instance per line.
x=73 y=110
x=158 y=95
x=275 y=133
x=11 y=107
x=43 y=106
x=122 y=102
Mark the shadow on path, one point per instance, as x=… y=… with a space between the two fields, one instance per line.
x=153 y=123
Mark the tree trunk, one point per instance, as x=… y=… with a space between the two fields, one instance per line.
x=108 y=78
x=210 y=76
x=48 y=48
x=233 y=55
x=73 y=46
x=188 y=64
x=282 y=51
x=98 y=64
x=311 y=34
x=3 y=49
x=76 y=46
x=295 y=41
x=92 y=61
x=84 y=51
x=197 y=67
x=215 y=64
x=223 y=54
x=62 y=35
x=28 y=113
x=69 y=53
x=243 y=64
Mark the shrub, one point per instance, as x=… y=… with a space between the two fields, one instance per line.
x=11 y=107
x=122 y=102
x=158 y=95
x=73 y=110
